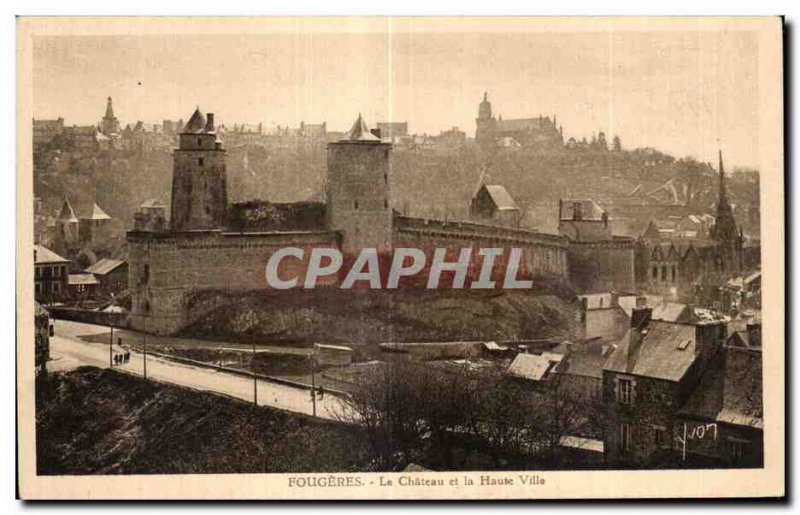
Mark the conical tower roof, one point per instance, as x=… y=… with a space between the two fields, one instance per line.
x=360 y=132
x=67 y=213
x=98 y=213
x=196 y=123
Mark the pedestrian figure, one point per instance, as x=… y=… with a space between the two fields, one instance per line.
x=127 y=356
x=321 y=393
x=116 y=359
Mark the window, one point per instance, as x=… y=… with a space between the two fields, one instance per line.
x=37 y=272
x=56 y=271
x=674 y=273
x=38 y=287
x=385 y=204
x=355 y=205
x=199 y=142
x=625 y=390
x=655 y=272
x=663 y=272
x=200 y=161
x=145 y=274
x=625 y=437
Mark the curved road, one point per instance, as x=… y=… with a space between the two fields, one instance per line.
x=68 y=351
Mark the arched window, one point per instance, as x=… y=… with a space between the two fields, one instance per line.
x=663 y=272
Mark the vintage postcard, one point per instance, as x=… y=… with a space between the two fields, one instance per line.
x=400 y=258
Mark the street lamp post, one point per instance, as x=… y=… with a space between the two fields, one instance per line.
x=144 y=336
x=313 y=382
x=255 y=377
x=111 y=343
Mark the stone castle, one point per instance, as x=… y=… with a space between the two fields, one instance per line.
x=209 y=244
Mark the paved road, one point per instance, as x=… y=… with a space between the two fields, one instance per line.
x=69 y=351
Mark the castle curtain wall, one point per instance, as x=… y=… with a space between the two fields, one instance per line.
x=165 y=269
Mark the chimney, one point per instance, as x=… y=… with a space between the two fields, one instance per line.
x=640 y=317
x=209 y=122
x=709 y=337
x=754 y=335
x=640 y=320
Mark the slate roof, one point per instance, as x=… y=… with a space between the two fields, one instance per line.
x=360 y=132
x=533 y=366
x=659 y=355
x=43 y=255
x=682 y=313
x=583 y=363
x=85 y=279
x=589 y=209
x=104 y=266
x=197 y=122
x=501 y=198
x=730 y=390
x=81 y=209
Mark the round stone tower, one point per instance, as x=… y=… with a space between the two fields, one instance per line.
x=358 y=192
x=199 y=179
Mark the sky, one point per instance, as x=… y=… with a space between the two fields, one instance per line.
x=686 y=93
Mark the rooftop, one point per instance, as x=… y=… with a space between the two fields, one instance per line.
x=666 y=352
x=43 y=255
x=730 y=390
x=82 y=279
x=587 y=209
x=360 y=132
x=501 y=198
x=104 y=266
x=534 y=366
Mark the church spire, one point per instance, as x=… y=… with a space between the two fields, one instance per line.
x=723 y=194
x=109 y=110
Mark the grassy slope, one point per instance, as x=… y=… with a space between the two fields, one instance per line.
x=92 y=421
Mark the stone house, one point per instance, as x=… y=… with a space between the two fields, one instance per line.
x=649 y=377
x=50 y=275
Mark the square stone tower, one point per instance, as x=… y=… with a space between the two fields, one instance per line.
x=199 y=178
x=359 y=203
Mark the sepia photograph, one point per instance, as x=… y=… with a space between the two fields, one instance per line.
x=400 y=257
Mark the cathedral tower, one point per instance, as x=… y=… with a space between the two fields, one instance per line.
x=110 y=124
x=358 y=193
x=199 y=182
x=484 y=134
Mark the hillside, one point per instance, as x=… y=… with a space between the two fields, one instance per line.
x=351 y=316
x=92 y=421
